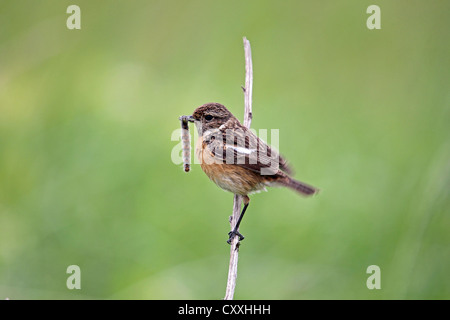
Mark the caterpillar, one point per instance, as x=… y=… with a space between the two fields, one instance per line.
x=186 y=143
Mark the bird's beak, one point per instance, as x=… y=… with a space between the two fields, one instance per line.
x=187 y=118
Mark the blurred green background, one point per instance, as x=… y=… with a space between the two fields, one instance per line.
x=86 y=177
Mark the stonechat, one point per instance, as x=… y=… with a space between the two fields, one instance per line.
x=236 y=160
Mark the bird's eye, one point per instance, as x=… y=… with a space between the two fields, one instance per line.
x=208 y=117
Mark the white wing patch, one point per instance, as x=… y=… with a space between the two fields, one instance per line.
x=241 y=149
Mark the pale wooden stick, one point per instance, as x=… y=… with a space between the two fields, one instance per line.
x=248 y=115
x=234 y=250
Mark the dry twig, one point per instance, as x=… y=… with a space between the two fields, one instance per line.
x=234 y=250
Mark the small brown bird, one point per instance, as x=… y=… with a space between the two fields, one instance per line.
x=236 y=159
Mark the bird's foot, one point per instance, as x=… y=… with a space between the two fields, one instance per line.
x=234 y=233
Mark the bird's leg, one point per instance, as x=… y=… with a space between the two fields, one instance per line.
x=235 y=231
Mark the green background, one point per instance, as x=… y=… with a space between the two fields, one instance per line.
x=86 y=177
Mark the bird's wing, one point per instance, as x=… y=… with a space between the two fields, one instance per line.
x=240 y=146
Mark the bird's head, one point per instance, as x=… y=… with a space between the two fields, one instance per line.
x=210 y=116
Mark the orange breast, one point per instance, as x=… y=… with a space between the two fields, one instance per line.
x=229 y=177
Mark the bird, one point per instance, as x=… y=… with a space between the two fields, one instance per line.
x=237 y=160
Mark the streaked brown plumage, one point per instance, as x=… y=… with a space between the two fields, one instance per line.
x=235 y=159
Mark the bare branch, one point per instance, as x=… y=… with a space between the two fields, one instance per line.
x=248 y=83
x=234 y=246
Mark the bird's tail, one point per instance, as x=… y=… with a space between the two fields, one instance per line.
x=298 y=186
